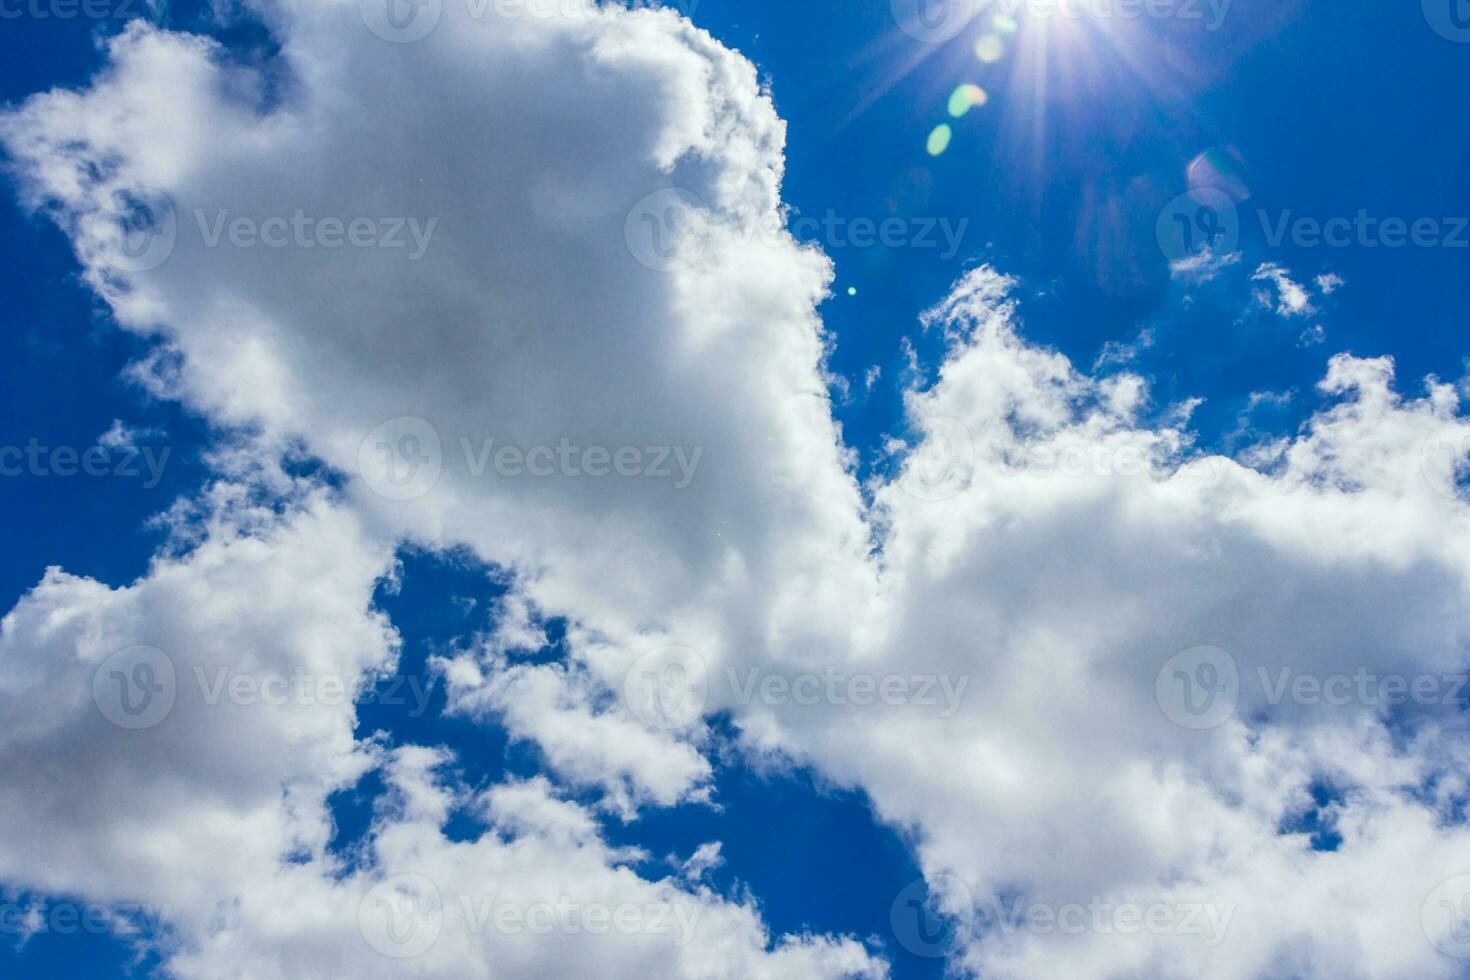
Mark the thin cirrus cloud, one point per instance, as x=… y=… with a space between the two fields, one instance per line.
x=1039 y=561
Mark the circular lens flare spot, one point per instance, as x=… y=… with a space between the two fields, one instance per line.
x=990 y=48
x=1006 y=24
x=1219 y=168
x=965 y=98
x=939 y=139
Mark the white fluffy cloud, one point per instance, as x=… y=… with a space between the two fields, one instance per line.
x=1074 y=564
x=527 y=320
x=199 y=790
x=1035 y=562
x=208 y=787
x=1291 y=297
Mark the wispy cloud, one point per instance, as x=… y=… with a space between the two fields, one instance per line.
x=1290 y=299
x=1203 y=265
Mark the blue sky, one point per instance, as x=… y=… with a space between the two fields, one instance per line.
x=1061 y=179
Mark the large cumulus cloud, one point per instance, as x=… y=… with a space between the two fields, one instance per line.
x=1046 y=545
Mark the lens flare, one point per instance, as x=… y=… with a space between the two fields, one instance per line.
x=965 y=98
x=990 y=48
x=939 y=139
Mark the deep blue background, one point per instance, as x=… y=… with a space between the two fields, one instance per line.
x=1325 y=108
